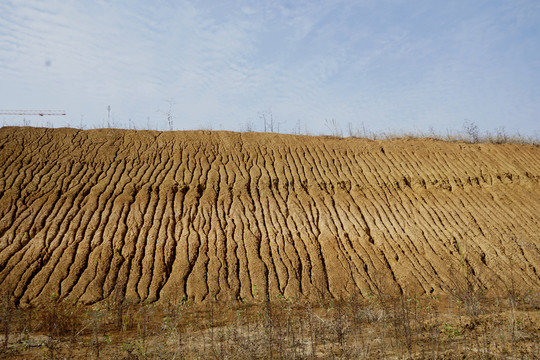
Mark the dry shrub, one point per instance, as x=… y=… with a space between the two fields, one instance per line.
x=7 y=318
x=409 y=328
x=61 y=320
x=61 y=317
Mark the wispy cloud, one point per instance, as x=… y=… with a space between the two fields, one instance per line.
x=389 y=64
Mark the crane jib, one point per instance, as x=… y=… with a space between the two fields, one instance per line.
x=33 y=112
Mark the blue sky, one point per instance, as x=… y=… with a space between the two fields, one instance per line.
x=387 y=65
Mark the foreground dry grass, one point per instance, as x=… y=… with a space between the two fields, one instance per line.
x=362 y=327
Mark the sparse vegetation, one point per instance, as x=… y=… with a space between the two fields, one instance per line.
x=470 y=132
x=403 y=327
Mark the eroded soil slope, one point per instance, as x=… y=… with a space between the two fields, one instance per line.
x=151 y=215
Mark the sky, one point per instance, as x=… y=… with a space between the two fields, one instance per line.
x=311 y=66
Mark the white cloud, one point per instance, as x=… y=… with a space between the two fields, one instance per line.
x=391 y=63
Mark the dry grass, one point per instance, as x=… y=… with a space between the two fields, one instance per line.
x=469 y=133
x=361 y=327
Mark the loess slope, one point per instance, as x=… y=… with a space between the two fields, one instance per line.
x=197 y=215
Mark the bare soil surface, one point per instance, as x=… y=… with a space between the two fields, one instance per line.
x=223 y=216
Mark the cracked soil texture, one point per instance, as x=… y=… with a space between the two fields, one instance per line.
x=200 y=215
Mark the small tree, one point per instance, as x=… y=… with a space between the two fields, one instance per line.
x=169 y=114
x=334 y=127
x=268 y=120
x=471 y=129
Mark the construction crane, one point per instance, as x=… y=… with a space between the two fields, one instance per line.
x=33 y=112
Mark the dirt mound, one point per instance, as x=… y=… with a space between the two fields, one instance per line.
x=150 y=215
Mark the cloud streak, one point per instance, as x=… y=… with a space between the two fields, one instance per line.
x=387 y=64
